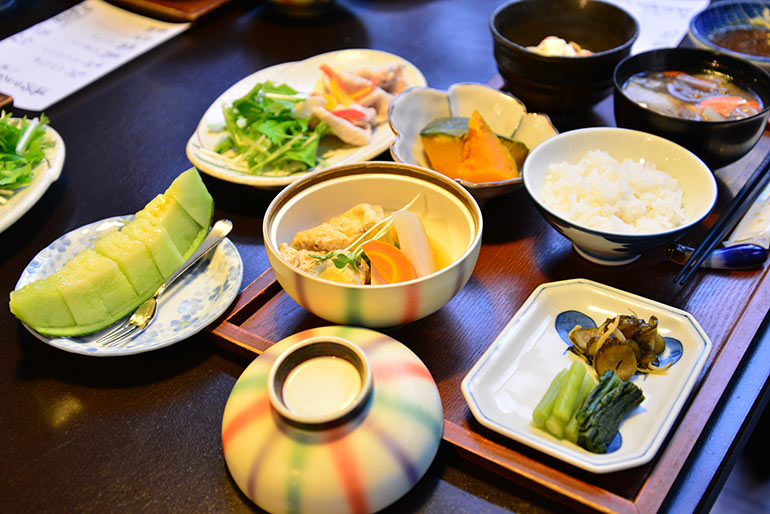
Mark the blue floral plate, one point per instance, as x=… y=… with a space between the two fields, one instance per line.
x=504 y=386
x=189 y=305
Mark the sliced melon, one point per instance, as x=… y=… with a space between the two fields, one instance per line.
x=165 y=254
x=99 y=286
x=166 y=212
x=117 y=293
x=134 y=260
x=189 y=190
x=42 y=304
x=83 y=299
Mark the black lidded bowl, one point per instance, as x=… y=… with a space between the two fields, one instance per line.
x=718 y=143
x=560 y=86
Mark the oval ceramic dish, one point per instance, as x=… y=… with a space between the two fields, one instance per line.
x=448 y=212
x=358 y=458
x=188 y=306
x=413 y=109
x=694 y=178
x=302 y=76
x=504 y=386
x=45 y=174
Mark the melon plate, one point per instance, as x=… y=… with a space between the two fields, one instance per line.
x=189 y=305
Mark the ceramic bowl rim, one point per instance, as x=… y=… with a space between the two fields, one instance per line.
x=499 y=38
x=702 y=38
x=706 y=171
x=378 y=167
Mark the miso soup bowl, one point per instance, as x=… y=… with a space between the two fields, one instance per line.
x=448 y=211
x=718 y=143
x=694 y=178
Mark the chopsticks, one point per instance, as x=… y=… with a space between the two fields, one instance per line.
x=728 y=220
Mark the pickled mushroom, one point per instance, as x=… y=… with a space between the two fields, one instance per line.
x=624 y=344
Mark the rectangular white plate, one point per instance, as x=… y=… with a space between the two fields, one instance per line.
x=507 y=382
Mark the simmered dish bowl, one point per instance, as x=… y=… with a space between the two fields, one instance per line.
x=718 y=140
x=618 y=220
x=449 y=214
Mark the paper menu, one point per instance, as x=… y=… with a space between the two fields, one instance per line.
x=662 y=23
x=53 y=59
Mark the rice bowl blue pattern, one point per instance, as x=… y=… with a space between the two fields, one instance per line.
x=730 y=14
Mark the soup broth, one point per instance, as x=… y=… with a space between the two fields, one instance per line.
x=692 y=96
x=753 y=41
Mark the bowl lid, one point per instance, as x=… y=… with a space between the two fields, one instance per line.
x=332 y=419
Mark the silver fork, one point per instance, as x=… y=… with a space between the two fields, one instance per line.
x=145 y=313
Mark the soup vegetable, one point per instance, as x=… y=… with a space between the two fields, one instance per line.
x=692 y=96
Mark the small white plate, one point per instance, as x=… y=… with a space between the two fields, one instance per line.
x=45 y=174
x=302 y=76
x=189 y=305
x=504 y=386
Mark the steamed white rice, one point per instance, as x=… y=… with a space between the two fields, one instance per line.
x=629 y=197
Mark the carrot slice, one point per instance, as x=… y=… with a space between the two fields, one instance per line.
x=724 y=104
x=390 y=262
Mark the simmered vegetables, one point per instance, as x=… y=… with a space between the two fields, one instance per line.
x=623 y=344
x=363 y=246
x=468 y=149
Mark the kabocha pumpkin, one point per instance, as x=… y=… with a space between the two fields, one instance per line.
x=468 y=149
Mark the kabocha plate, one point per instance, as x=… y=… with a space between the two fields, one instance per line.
x=504 y=386
x=45 y=174
x=302 y=76
x=189 y=305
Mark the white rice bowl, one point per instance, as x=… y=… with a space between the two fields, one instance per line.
x=628 y=197
x=639 y=211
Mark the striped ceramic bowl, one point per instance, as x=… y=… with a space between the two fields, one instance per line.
x=447 y=210
x=292 y=445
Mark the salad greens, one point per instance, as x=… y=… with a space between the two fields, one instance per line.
x=267 y=132
x=22 y=148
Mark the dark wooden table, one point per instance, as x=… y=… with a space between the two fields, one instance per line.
x=142 y=433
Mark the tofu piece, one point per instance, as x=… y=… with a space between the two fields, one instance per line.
x=340 y=231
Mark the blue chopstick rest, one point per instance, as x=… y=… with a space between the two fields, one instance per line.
x=740 y=256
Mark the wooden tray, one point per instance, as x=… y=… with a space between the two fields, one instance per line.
x=519 y=252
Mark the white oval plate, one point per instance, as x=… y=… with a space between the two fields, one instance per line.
x=302 y=76
x=45 y=174
x=504 y=386
x=188 y=306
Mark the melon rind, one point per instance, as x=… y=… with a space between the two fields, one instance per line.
x=189 y=190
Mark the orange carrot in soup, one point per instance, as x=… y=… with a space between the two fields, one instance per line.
x=391 y=264
x=723 y=104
